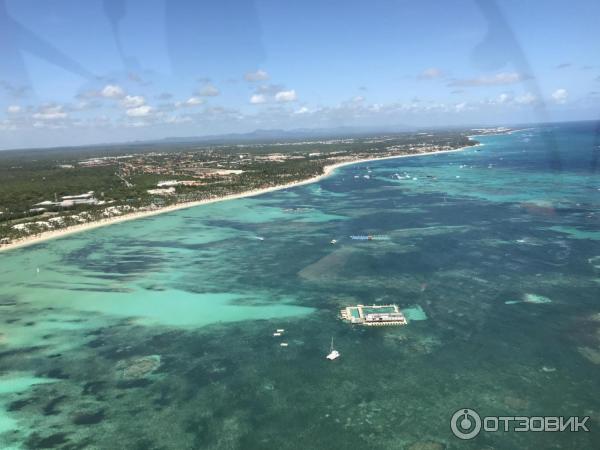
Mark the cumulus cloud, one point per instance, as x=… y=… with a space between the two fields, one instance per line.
x=273 y=93
x=430 y=74
x=286 y=96
x=133 y=101
x=140 y=111
x=177 y=119
x=189 y=103
x=459 y=107
x=560 y=95
x=50 y=113
x=498 y=79
x=257 y=99
x=259 y=75
x=504 y=98
x=209 y=91
x=526 y=99
x=112 y=91
x=14 y=109
x=193 y=101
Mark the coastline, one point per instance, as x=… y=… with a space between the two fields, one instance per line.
x=327 y=171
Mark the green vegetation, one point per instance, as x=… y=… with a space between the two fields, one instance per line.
x=121 y=176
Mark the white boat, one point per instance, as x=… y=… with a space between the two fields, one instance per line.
x=333 y=242
x=333 y=354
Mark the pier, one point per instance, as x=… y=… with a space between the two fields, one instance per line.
x=374 y=315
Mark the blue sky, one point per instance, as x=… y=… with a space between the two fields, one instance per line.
x=74 y=72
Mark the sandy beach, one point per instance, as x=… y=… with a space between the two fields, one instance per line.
x=327 y=170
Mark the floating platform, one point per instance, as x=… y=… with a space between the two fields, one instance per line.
x=374 y=315
x=370 y=237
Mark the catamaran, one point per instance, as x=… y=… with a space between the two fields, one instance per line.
x=333 y=354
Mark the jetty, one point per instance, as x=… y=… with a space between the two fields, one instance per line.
x=374 y=315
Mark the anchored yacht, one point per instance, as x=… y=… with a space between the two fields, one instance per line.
x=333 y=354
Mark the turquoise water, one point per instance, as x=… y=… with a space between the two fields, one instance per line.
x=158 y=333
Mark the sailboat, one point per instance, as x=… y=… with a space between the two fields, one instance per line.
x=333 y=354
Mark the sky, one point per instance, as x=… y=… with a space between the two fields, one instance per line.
x=102 y=71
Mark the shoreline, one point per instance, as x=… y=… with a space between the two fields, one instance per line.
x=327 y=171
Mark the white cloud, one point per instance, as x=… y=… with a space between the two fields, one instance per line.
x=193 y=101
x=50 y=113
x=286 y=96
x=430 y=73
x=259 y=75
x=14 y=109
x=189 y=103
x=303 y=110
x=504 y=98
x=459 y=107
x=526 y=99
x=133 y=101
x=112 y=91
x=178 y=119
x=498 y=79
x=560 y=95
x=358 y=99
x=140 y=111
x=7 y=125
x=257 y=99
x=209 y=91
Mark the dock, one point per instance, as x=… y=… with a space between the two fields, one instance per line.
x=374 y=315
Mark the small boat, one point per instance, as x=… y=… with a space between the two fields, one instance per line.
x=333 y=242
x=260 y=238
x=284 y=344
x=280 y=330
x=276 y=334
x=333 y=354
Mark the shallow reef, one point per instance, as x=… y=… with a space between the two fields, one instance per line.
x=158 y=334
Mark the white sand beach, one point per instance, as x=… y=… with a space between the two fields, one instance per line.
x=327 y=170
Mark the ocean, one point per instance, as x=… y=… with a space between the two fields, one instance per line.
x=157 y=333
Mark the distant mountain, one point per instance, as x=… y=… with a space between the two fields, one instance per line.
x=259 y=136
x=262 y=135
